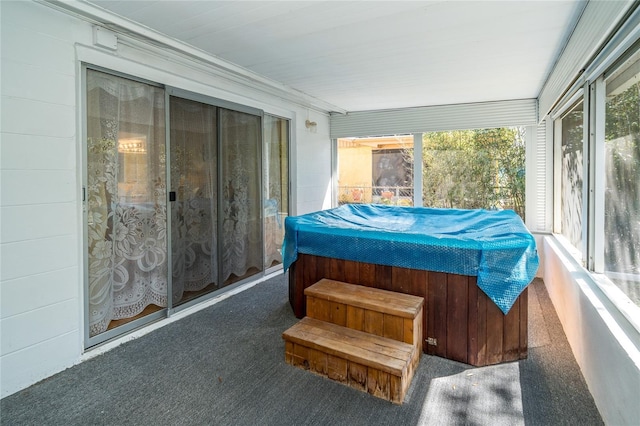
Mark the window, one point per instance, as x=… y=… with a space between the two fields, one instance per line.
x=605 y=228
x=622 y=177
x=570 y=131
x=473 y=169
x=376 y=170
x=466 y=169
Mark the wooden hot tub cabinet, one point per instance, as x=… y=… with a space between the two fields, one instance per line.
x=459 y=322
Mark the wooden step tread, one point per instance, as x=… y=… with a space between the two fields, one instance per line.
x=367 y=349
x=388 y=302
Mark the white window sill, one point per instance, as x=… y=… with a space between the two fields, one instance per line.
x=619 y=300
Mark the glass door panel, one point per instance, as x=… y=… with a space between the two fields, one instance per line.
x=241 y=231
x=125 y=201
x=194 y=252
x=275 y=186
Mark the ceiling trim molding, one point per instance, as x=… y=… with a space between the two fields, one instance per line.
x=135 y=34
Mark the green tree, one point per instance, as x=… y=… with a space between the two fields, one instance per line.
x=482 y=168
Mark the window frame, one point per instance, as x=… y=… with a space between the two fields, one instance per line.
x=567 y=107
x=593 y=92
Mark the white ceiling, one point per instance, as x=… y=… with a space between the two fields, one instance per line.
x=368 y=55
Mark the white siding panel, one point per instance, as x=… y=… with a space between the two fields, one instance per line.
x=37 y=118
x=21 y=187
x=23 y=368
x=28 y=222
x=40 y=85
x=32 y=257
x=596 y=24
x=437 y=118
x=32 y=18
x=33 y=327
x=40 y=279
x=36 y=48
x=36 y=152
x=38 y=291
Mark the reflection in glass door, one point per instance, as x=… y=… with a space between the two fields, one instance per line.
x=216 y=228
x=241 y=136
x=275 y=185
x=194 y=246
x=125 y=201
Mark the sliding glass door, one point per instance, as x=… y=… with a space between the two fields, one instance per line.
x=151 y=247
x=125 y=201
x=216 y=228
x=194 y=199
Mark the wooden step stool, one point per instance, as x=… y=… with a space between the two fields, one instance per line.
x=367 y=338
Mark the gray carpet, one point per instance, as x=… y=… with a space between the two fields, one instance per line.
x=225 y=366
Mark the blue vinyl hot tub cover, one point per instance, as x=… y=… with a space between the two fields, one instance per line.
x=493 y=245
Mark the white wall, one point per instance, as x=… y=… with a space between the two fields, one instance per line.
x=605 y=345
x=41 y=242
x=313 y=186
x=40 y=308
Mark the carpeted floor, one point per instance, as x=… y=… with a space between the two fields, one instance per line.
x=225 y=365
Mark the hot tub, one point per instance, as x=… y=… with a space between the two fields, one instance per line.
x=471 y=266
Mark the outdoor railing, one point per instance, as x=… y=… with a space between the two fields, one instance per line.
x=389 y=195
x=403 y=196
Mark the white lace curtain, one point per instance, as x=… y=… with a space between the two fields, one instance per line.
x=125 y=199
x=242 y=228
x=194 y=180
